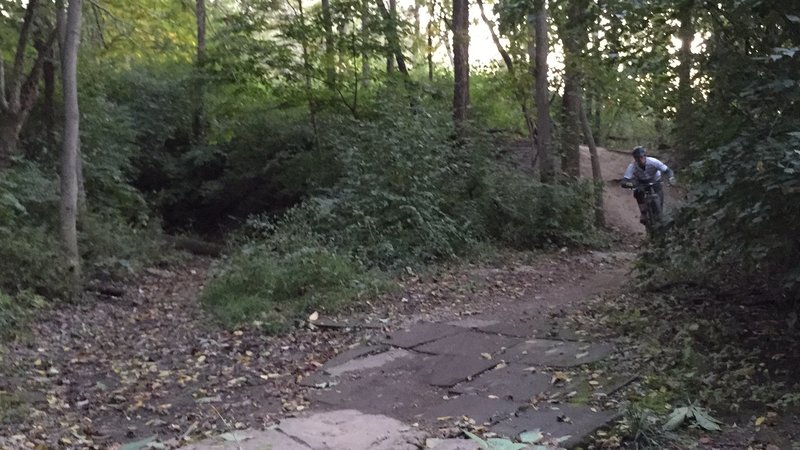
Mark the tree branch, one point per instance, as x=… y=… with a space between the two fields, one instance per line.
x=496 y=39
x=19 y=56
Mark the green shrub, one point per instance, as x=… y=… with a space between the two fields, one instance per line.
x=16 y=312
x=517 y=211
x=262 y=285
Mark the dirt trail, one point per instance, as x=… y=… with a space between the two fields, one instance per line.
x=153 y=362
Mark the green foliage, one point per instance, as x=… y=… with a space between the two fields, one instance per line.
x=276 y=287
x=739 y=224
x=519 y=212
x=15 y=313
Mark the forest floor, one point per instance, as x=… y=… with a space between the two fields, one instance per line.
x=563 y=340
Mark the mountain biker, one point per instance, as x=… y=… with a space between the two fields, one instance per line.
x=645 y=169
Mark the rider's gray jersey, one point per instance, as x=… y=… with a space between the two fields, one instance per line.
x=651 y=172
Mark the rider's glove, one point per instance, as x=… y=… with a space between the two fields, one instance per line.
x=627 y=184
x=671 y=181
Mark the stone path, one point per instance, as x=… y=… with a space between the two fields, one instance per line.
x=483 y=371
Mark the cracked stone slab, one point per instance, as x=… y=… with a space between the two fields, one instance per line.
x=538 y=327
x=369 y=362
x=249 y=440
x=451 y=444
x=354 y=353
x=577 y=422
x=469 y=343
x=449 y=370
x=474 y=322
x=545 y=352
x=511 y=382
x=399 y=392
x=329 y=374
x=352 y=430
x=421 y=333
x=482 y=410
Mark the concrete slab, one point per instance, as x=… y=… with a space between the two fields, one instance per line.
x=578 y=422
x=536 y=327
x=399 y=394
x=451 y=444
x=369 y=362
x=511 y=382
x=449 y=370
x=544 y=352
x=420 y=334
x=352 y=430
x=249 y=440
x=329 y=374
x=469 y=343
x=354 y=353
x=482 y=410
x=474 y=322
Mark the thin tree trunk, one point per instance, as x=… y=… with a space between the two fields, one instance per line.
x=312 y=108
x=19 y=92
x=365 y=67
x=575 y=37
x=199 y=122
x=597 y=174
x=542 y=103
x=393 y=30
x=519 y=93
x=69 y=154
x=393 y=39
x=684 y=113
x=431 y=12
x=460 y=64
x=330 y=45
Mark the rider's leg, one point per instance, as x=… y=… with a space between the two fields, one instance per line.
x=642 y=206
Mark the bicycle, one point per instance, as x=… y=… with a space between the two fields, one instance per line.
x=652 y=201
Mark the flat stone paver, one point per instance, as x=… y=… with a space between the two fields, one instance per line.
x=449 y=370
x=469 y=343
x=249 y=440
x=544 y=352
x=420 y=334
x=539 y=327
x=511 y=382
x=352 y=430
x=482 y=410
x=354 y=353
x=398 y=394
x=369 y=362
x=451 y=444
x=578 y=422
x=474 y=322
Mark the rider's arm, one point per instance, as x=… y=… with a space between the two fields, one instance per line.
x=628 y=176
x=664 y=169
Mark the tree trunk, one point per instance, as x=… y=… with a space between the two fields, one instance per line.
x=69 y=153
x=393 y=30
x=684 y=114
x=312 y=104
x=365 y=67
x=330 y=45
x=431 y=12
x=199 y=121
x=574 y=35
x=20 y=91
x=597 y=174
x=520 y=94
x=10 y=125
x=460 y=63
x=393 y=39
x=541 y=96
